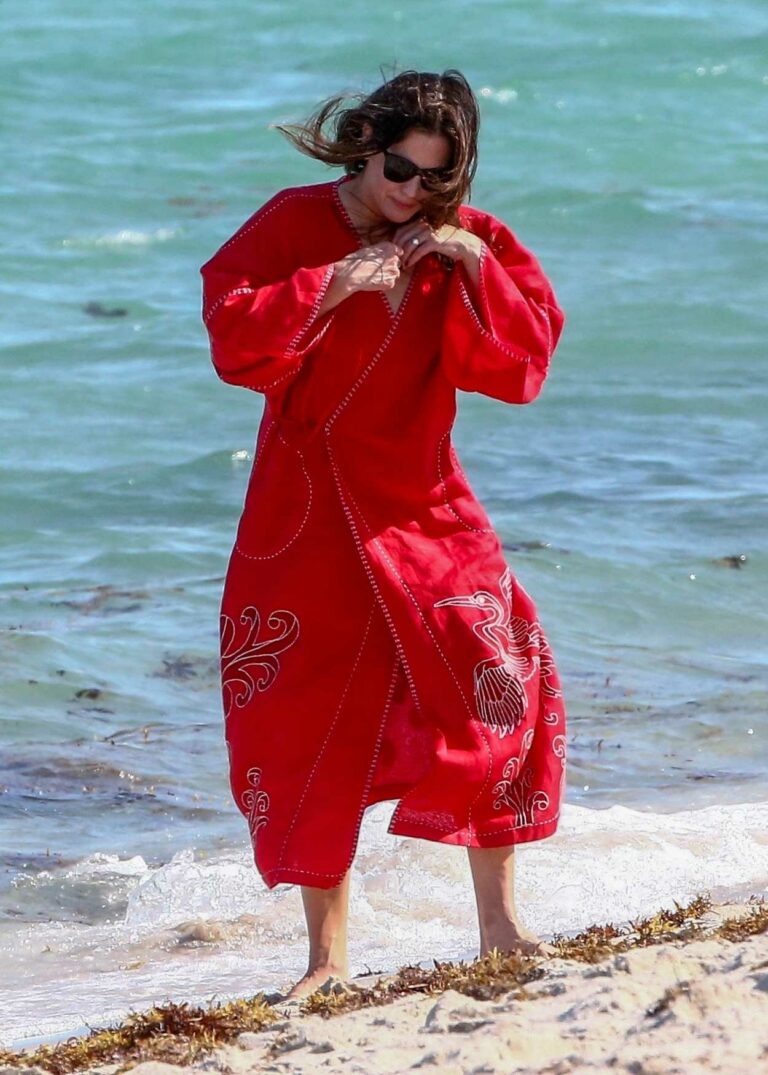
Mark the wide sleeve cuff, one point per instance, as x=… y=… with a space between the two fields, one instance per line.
x=498 y=337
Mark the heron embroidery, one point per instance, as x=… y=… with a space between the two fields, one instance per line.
x=499 y=681
x=238 y=682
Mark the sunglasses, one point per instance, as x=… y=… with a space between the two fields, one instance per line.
x=399 y=169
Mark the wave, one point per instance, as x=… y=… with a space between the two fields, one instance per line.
x=410 y=902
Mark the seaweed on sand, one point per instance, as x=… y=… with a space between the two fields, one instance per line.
x=749 y=925
x=179 y=1034
x=483 y=978
x=174 y=1033
x=599 y=942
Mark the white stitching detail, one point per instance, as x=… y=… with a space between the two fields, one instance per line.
x=447 y=663
x=446 y=504
x=439 y=648
x=302 y=524
x=342 y=405
x=512 y=828
x=223 y=298
x=489 y=335
x=266 y=209
x=360 y=245
x=328 y=734
x=366 y=790
x=372 y=579
x=291 y=351
x=324 y=285
x=542 y=306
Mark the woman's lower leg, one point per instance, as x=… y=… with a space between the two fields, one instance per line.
x=493 y=876
x=326 y=912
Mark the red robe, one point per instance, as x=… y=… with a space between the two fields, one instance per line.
x=374 y=643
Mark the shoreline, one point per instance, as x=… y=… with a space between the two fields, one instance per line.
x=680 y=990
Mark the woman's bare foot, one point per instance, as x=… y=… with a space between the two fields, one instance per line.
x=512 y=937
x=493 y=875
x=312 y=980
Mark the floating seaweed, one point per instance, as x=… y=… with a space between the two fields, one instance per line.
x=98 y=309
x=737 y=561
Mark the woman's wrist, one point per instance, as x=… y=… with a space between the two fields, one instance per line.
x=473 y=249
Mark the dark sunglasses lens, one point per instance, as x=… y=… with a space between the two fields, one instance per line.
x=431 y=182
x=398 y=169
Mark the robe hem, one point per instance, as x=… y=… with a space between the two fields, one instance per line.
x=293 y=875
x=473 y=838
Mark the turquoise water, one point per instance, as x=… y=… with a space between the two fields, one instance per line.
x=625 y=144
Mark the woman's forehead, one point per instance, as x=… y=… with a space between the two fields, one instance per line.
x=424 y=149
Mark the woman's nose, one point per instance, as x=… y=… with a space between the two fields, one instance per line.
x=412 y=187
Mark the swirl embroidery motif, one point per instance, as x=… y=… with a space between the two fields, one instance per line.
x=240 y=658
x=256 y=803
x=499 y=681
x=515 y=789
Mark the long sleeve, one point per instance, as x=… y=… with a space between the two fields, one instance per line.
x=260 y=305
x=499 y=339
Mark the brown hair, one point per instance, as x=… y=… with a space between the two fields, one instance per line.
x=435 y=103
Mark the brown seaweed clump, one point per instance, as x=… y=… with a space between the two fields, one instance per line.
x=484 y=978
x=600 y=942
x=173 y=1033
x=178 y=1034
x=748 y=925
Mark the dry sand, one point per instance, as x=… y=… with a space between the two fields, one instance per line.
x=700 y=1006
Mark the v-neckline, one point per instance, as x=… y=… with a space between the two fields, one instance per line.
x=394 y=313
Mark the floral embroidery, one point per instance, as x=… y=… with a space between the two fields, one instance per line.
x=256 y=803
x=515 y=789
x=559 y=750
x=238 y=682
x=499 y=681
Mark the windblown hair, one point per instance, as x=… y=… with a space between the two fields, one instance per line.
x=422 y=100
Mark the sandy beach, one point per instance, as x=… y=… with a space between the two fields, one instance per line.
x=685 y=996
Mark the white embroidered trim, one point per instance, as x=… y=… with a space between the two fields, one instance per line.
x=545 y=822
x=543 y=309
x=328 y=734
x=292 y=349
x=360 y=244
x=266 y=209
x=302 y=524
x=223 y=298
x=382 y=348
x=446 y=504
x=324 y=285
x=367 y=788
x=371 y=577
x=517 y=355
x=439 y=649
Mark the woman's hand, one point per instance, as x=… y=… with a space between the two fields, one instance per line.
x=372 y=268
x=451 y=242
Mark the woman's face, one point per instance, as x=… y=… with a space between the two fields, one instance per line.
x=399 y=201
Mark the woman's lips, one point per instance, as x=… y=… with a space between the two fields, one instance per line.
x=405 y=208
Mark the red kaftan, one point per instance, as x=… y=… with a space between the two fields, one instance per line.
x=374 y=644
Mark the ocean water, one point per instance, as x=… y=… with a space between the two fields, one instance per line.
x=624 y=143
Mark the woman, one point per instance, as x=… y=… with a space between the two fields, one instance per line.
x=374 y=643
